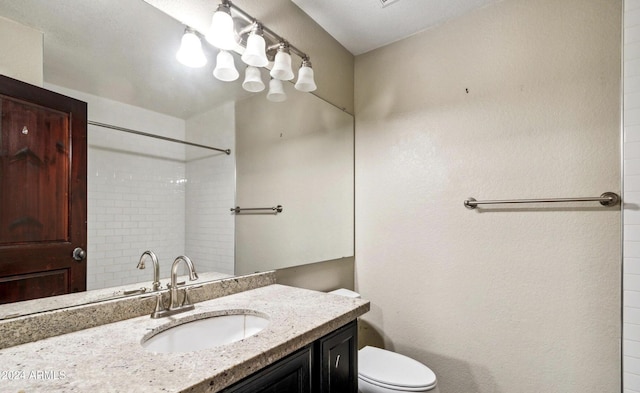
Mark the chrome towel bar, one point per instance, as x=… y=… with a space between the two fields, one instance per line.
x=607 y=199
x=274 y=210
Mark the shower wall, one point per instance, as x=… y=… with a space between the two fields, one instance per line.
x=210 y=190
x=136 y=202
x=142 y=192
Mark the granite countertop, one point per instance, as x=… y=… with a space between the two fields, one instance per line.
x=109 y=358
x=28 y=307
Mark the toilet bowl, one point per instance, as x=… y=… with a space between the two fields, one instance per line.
x=382 y=371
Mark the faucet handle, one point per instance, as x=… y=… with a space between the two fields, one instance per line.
x=159 y=310
x=186 y=301
x=177 y=284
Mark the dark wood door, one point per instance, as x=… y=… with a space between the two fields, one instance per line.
x=43 y=188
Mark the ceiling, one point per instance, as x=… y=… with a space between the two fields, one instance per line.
x=359 y=25
x=363 y=25
x=125 y=49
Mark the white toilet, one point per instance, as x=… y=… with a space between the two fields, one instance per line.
x=382 y=371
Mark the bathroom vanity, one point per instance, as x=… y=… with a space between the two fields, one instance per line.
x=308 y=345
x=329 y=365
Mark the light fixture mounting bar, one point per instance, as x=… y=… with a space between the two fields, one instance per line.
x=274 y=37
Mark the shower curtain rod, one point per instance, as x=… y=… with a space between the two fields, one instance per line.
x=164 y=138
x=606 y=199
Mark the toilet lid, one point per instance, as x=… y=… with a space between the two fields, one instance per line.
x=391 y=369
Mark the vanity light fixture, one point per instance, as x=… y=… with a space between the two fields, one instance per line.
x=252 y=80
x=282 y=63
x=190 y=52
x=221 y=33
x=276 y=91
x=305 y=81
x=255 y=54
x=232 y=29
x=225 y=67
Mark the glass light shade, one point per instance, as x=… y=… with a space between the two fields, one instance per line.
x=190 y=52
x=225 y=67
x=305 y=81
x=252 y=80
x=221 y=33
x=282 y=66
x=255 y=54
x=276 y=91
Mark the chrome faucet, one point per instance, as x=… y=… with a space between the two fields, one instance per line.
x=159 y=308
x=173 y=302
x=175 y=306
x=156 y=267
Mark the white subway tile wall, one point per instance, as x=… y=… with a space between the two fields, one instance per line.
x=149 y=194
x=210 y=190
x=210 y=223
x=631 y=218
x=136 y=202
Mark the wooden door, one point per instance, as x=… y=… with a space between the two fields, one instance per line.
x=43 y=161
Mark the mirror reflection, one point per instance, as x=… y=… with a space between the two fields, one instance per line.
x=146 y=193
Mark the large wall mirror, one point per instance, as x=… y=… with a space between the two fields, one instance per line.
x=147 y=193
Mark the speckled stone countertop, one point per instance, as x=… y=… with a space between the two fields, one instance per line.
x=29 y=307
x=109 y=358
x=33 y=327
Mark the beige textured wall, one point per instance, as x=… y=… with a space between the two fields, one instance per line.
x=334 y=73
x=323 y=276
x=510 y=299
x=298 y=154
x=22 y=52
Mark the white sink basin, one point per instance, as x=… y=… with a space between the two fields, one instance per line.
x=205 y=331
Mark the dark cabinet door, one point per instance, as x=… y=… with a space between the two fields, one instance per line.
x=338 y=356
x=329 y=365
x=289 y=375
x=43 y=175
